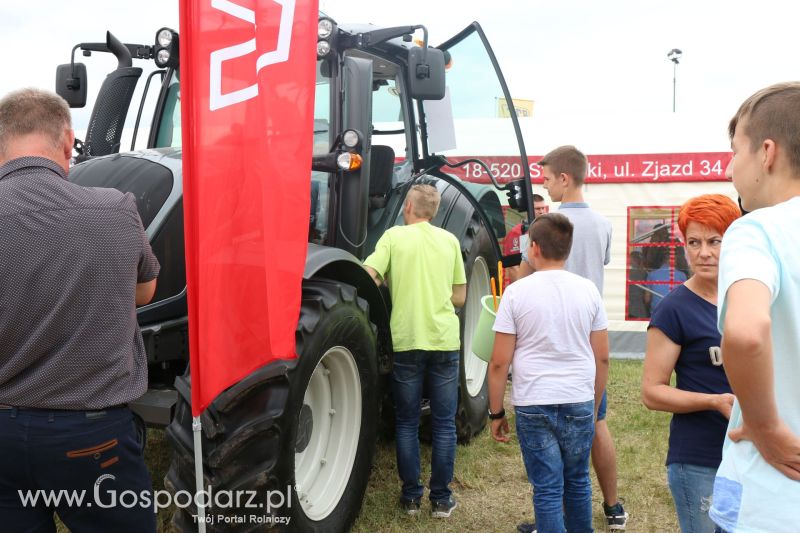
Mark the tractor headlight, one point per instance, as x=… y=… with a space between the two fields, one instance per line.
x=324 y=28
x=165 y=51
x=164 y=37
x=350 y=138
x=326 y=34
x=162 y=58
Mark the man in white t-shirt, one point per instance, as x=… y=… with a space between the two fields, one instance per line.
x=757 y=487
x=552 y=329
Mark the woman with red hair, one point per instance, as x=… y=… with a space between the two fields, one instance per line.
x=683 y=337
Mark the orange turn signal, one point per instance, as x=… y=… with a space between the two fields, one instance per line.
x=355 y=161
x=349 y=161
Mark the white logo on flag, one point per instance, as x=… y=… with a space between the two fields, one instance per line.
x=218 y=100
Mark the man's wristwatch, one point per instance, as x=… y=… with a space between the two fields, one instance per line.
x=498 y=415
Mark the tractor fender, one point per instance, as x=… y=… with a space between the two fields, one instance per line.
x=465 y=203
x=339 y=265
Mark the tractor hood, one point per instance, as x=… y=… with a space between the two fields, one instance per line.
x=152 y=176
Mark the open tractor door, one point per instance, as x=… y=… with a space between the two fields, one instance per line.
x=307 y=427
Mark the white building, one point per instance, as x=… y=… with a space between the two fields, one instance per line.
x=642 y=168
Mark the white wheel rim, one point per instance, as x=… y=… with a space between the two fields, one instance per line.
x=322 y=469
x=478 y=287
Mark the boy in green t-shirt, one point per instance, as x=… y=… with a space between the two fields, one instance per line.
x=423 y=268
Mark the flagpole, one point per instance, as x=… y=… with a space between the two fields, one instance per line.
x=197 y=427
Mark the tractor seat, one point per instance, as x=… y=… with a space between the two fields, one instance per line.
x=381 y=169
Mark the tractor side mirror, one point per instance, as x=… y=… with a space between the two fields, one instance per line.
x=71 y=83
x=426 y=73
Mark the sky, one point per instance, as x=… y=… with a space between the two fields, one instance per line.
x=597 y=66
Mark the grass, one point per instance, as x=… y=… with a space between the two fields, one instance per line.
x=490 y=484
x=493 y=491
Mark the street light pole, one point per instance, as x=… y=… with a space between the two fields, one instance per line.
x=674 y=55
x=674 y=83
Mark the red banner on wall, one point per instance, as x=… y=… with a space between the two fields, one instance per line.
x=624 y=168
x=247 y=97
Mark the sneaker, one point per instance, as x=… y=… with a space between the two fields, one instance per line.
x=443 y=509
x=527 y=527
x=616 y=517
x=411 y=507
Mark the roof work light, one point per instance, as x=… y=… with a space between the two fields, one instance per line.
x=166 y=49
x=326 y=32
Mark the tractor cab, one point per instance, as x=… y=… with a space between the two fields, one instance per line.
x=420 y=110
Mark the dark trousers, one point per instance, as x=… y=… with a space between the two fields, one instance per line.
x=86 y=466
x=408 y=376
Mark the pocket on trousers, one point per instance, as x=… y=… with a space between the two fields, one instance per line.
x=579 y=432
x=404 y=372
x=534 y=430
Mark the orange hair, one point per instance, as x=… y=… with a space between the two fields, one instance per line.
x=715 y=211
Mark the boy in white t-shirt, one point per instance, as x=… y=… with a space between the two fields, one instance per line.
x=552 y=329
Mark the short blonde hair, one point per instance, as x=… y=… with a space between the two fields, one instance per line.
x=424 y=201
x=33 y=111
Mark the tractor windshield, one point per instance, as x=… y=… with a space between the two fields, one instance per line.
x=168 y=134
x=320 y=181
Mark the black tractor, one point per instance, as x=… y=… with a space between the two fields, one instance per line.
x=307 y=427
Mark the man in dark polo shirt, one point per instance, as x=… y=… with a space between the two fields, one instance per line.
x=74 y=263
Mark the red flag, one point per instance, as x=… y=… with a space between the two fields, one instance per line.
x=247 y=96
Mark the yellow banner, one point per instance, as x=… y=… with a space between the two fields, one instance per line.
x=523 y=108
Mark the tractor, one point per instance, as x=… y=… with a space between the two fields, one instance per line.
x=308 y=426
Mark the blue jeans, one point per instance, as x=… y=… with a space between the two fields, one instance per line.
x=692 y=487
x=94 y=453
x=556 y=441
x=409 y=372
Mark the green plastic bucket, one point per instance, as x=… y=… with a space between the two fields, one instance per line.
x=483 y=336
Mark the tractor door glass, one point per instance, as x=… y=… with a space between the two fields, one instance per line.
x=387 y=116
x=389 y=125
x=320 y=181
x=484 y=127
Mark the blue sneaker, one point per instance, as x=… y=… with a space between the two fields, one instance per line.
x=616 y=517
x=411 y=507
x=443 y=509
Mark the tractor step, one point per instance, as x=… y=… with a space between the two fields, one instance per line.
x=156 y=407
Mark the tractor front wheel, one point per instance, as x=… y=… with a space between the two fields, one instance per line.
x=298 y=436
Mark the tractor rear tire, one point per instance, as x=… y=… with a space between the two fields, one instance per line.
x=473 y=402
x=301 y=433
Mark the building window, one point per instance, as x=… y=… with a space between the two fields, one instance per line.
x=656 y=262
